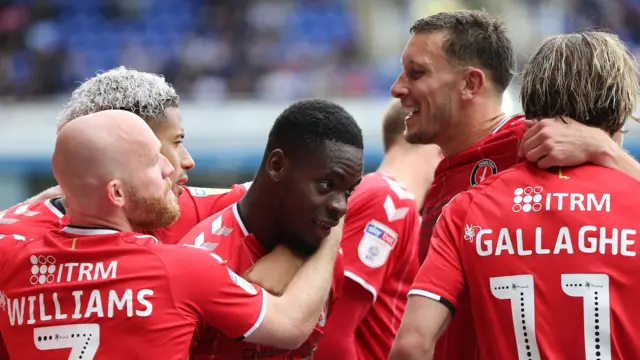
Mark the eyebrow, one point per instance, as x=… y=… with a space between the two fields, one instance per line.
x=336 y=173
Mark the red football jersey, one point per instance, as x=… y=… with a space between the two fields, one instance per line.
x=80 y=293
x=226 y=234
x=495 y=152
x=549 y=260
x=379 y=245
x=32 y=219
x=197 y=204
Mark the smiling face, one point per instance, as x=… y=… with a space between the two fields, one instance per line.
x=170 y=132
x=316 y=192
x=426 y=88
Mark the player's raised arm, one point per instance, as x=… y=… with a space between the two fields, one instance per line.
x=437 y=288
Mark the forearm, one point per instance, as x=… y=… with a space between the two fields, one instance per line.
x=615 y=157
x=309 y=289
x=412 y=348
x=47 y=194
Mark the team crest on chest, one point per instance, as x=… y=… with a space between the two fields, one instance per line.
x=482 y=170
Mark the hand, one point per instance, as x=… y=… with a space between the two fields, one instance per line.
x=47 y=194
x=275 y=270
x=554 y=142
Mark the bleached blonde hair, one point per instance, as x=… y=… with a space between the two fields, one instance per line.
x=589 y=76
x=144 y=94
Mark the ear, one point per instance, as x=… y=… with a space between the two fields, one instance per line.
x=115 y=192
x=276 y=165
x=473 y=82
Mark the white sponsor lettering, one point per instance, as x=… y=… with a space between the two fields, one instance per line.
x=86 y=304
x=534 y=199
x=588 y=239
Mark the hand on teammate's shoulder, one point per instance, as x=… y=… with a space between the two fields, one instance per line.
x=561 y=142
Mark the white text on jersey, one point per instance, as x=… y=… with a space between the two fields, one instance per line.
x=588 y=239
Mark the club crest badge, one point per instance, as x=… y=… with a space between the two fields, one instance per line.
x=483 y=169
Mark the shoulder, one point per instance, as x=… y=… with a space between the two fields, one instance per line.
x=462 y=201
x=218 y=224
x=205 y=192
x=379 y=188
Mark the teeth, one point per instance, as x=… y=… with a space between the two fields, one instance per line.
x=411 y=111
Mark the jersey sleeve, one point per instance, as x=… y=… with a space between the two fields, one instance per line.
x=381 y=229
x=204 y=286
x=441 y=277
x=210 y=201
x=30 y=219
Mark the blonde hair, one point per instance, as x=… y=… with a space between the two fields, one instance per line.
x=589 y=76
x=144 y=94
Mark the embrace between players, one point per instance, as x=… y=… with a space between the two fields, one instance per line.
x=96 y=274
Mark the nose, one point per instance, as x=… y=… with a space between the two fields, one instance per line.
x=186 y=161
x=167 y=169
x=399 y=87
x=338 y=206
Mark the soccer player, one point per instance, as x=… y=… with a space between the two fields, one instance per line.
x=152 y=98
x=312 y=163
x=379 y=244
x=548 y=257
x=456 y=67
x=97 y=290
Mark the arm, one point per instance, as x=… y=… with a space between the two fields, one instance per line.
x=290 y=319
x=436 y=289
x=615 y=157
x=552 y=142
x=275 y=270
x=47 y=194
x=338 y=341
x=420 y=331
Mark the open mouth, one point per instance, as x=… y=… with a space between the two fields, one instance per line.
x=411 y=111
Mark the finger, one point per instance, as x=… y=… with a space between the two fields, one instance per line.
x=529 y=123
x=532 y=139
x=546 y=162
x=531 y=132
x=537 y=154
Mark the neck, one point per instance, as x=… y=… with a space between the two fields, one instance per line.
x=76 y=219
x=413 y=166
x=106 y=219
x=259 y=216
x=470 y=127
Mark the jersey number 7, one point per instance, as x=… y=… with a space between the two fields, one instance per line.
x=593 y=288
x=82 y=339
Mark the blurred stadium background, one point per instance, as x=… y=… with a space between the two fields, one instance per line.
x=236 y=64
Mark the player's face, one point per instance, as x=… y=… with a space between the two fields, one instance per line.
x=171 y=133
x=150 y=201
x=315 y=196
x=425 y=88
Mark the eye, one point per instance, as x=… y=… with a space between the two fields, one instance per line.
x=179 y=142
x=326 y=184
x=415 y=74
